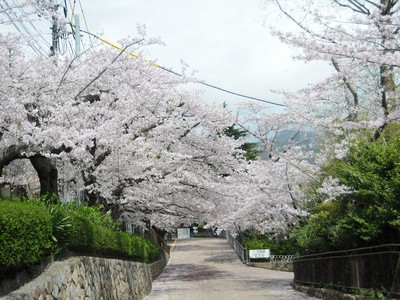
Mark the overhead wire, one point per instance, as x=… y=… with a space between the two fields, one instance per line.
x=39 y=50
x=180 y=75
x=38 y=33
x=66 y=43
x=72 y=9
x=71 y=20
x=65 y=9
x=31 y=42
x=86 y=24
x=71 y=17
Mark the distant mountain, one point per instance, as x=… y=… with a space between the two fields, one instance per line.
x=285 y=137
x=305 y=138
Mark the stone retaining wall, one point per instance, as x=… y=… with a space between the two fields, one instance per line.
x=91 y=278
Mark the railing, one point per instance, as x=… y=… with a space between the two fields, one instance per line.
x=156 y=238
x=374 y=268
x=241 y=252
x=283 y=258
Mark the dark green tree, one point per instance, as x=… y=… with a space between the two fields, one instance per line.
x=250 y=148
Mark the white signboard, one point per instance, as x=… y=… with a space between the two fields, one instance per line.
x=183 y=233
x=259 y=253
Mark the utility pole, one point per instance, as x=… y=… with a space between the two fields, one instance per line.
x=77 y=37
x=54 y=30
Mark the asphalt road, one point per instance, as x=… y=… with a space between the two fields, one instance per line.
x=208 y=269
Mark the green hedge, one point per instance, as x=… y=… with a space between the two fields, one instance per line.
x=25 y=234
x=95 y=233
x=29 y=231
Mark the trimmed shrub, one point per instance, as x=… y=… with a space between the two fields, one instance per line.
x=151 y=251
x=80 y=236
x=259 y=244
x=123 y=242
x=93 y=232
x=25 y=234
x=29 y=231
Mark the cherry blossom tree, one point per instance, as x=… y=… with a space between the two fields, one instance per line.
x=149 y=149
x=275 y=200
x=142 y=145
x=359 y=40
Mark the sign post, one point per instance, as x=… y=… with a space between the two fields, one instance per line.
x=259 y=253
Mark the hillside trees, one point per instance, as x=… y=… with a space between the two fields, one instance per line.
x=359 y=39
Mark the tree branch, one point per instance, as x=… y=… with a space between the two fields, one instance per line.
x=105 y=69
x=352 y=116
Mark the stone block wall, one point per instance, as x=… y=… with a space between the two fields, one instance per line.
x=91 y=278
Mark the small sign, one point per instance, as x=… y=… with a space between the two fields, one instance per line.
x=183 y=233
x=259 y=253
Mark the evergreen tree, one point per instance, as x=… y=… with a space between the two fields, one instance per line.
x=250 y=148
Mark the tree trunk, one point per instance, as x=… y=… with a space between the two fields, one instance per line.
x=48 y=175
x=10 y=154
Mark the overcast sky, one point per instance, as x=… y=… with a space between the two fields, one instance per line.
x=226 y=41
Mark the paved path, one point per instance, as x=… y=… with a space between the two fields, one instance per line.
x=208 y=269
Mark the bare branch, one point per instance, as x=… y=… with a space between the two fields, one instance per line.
x=105 y=69
x=299 y=24
x=354 y=94
x=355 y=6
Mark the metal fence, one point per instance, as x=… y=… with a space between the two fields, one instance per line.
x=241 y=252
x=284 y=258
x=374 y=268
x=156 y=238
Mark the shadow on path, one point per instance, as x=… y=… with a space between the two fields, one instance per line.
x=191 y=272
x=208 y=269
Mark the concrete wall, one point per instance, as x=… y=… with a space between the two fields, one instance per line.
x=279 y=265
x=91 y=278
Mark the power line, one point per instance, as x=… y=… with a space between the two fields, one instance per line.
x=38 y=33
x=180 y=75
x=86 y=25
x=72 y=19
x=37 y=48
x=31 y=42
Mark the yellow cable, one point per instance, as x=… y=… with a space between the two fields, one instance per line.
x=119 y=48
x=70 y=16
x=172 y=72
